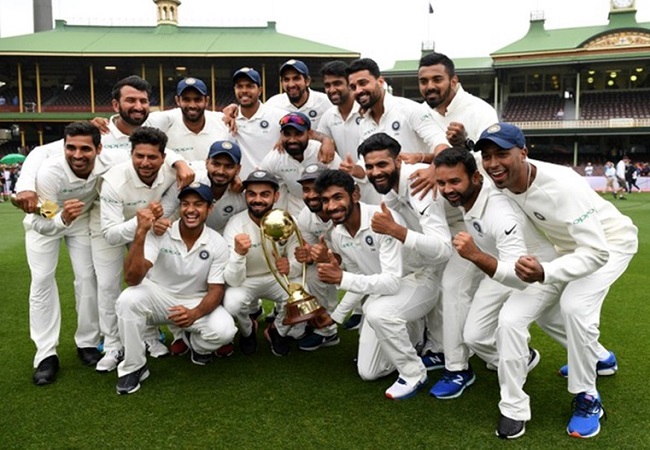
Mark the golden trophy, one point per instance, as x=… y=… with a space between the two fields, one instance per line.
x=46 y=208
x=278 y=225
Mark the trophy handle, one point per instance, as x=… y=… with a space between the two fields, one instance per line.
x=282 y=281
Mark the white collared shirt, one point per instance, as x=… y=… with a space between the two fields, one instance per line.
x=344 y=133
x=314 y=107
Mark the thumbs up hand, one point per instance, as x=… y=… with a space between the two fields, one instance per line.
x=319 y=251
x=347 y=165
x=382 y=221
x=330 y=272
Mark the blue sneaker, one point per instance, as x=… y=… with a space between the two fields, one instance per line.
x=433 y=361
x=604 y=368
x=452 y=384
x=353 y=322
x=585 y=422
x=314 y=341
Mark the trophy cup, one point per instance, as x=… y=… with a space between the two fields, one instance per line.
x=278 y=225
x=46 y=208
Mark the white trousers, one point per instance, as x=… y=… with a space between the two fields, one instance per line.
x=384 y=342
x=581 y=303
x=44 y=304
x=326 y=294
x=148 y=303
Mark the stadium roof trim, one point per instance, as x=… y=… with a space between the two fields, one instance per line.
x=165 y=40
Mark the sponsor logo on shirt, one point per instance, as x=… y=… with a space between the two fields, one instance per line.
x=170 y=251
x=182 y=149
x=584 y=217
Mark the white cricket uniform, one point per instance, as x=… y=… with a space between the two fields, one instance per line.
x=345 y=134
x=178 y=277
x=405 y=121
x=475 y=114
x=122 y=195
x=620 y=173
x=595 y=243
x=56 y=182
x=223 y=209
x=500 y=229
x=397 y=295
x=195 y=146
x=288 y=170
x=257 y=136
x=249 y=277
x=314 y=108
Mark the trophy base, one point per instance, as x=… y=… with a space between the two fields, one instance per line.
x=302 y=310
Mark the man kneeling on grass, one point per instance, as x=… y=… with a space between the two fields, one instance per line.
x=174 y=278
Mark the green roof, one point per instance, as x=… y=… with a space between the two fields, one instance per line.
x=408 y=66
x=165 y=40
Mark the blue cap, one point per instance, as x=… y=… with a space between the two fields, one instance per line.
x=296 y=120
x=261 y=176
x=225 y=148
x=505 y=135
x=191 y=82
x=296 y=65
x=200 y=189
x=249 y=73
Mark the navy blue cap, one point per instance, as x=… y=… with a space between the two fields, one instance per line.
x=261 y=176
x=505 y=135
x=311 y=172
x=191 y=82
x=225 y=148
x=296 y=120
x=251 y=74
x=200 y=189
x=297 y=65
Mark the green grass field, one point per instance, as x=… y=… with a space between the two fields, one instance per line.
x=306 y=400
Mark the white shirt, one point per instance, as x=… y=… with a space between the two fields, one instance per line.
x=56 y=182
x=620 y=169
x=405 y=121
x=428 y=233
x=344 y=133
x=501 y=229
x=372 y=261
x=312 y=226
x=475 y=114
x=253 y=264
x=257 y=136
x=123 y=194
x=186 y=273
x=314 y=108
x=610 y=172
x=582 y=225
x=288 y=170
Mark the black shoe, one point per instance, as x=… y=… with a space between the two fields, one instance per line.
x=270 y=317
x=279 y=344
x=90 y=356
x=256 y=315
x=129 y=383
x=248 y=344
x=199 y=359
x=46 y=371
x=353 y=322
x=509 y=428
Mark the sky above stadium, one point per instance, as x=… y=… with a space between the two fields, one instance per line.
x=393 y=31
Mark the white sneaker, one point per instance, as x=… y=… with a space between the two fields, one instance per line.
x=400 y=390
x=110 y=361
x=156 y=348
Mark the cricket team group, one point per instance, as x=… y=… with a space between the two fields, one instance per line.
x=445 y=237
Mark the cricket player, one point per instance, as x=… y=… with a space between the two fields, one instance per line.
x=595 y=243
x=176 y=278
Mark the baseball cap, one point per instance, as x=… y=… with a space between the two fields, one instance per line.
x=200 y=189
x=311 y=172
x=505 y=135
x=191 y=82
x=251 y=74
x=296 y=120
x=261 y=176
x=225 y=148
x=297 y=65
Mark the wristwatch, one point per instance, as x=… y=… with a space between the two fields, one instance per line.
x=469 y=144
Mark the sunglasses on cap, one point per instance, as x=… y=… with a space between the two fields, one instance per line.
x=293 y=118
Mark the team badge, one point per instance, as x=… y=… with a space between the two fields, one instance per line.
x=264 y=124
x=539 y=216
x=190 y=81
x=311 y=168
x=395 y=126
x=369 y=240
x=494 y=128
x=358 y=120
x=195 y=185
x=477 y=227
x=259 y=174
x=226 y=145
x=312 y=113
x=204 y=254
x=228 y=209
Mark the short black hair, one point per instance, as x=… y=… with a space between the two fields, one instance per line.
x=433 y=59
x=364 y=64
x=331 y=177
x=135 y=82
x=149 y=135
x=83 y=128
x=335 y=69
x=451 y=157
x=379 y=141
